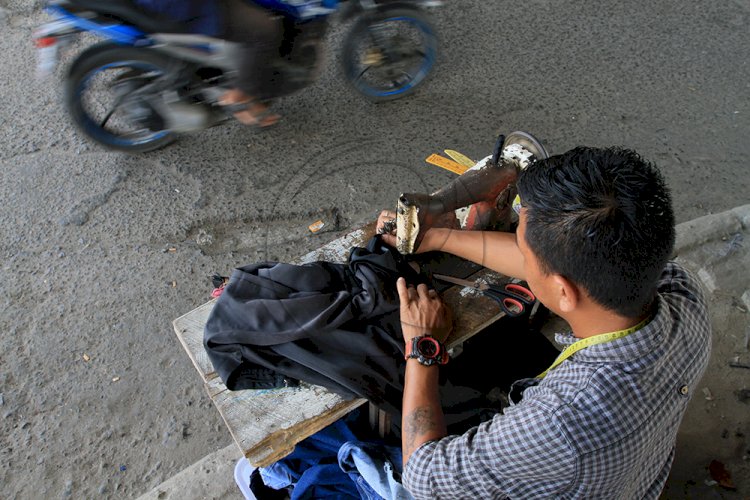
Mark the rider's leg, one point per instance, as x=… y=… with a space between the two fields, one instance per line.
x=260 y=33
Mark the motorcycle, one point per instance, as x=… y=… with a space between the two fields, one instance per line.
x=149 y=81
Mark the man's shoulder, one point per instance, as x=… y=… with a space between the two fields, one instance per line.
x=682 y=303
x=676 y=279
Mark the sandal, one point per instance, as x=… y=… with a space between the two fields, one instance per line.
x=248 y=111
x=258 y=114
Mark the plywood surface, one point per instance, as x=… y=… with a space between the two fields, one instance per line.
x=266 y=424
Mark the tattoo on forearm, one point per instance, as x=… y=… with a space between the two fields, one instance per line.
x=417 y=423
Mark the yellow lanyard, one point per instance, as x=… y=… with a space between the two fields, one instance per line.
x=596 y=339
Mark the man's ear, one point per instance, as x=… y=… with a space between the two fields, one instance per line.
x=568 y=294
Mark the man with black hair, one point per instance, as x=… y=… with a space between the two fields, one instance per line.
x=595 y=233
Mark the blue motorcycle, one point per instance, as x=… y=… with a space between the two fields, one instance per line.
x=148 y=81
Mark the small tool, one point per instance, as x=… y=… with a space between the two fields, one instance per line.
x=460 y=158
x=513 y=298
x=446 y=163
x=497 y=150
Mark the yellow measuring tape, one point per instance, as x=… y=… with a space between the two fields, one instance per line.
x=596 y=339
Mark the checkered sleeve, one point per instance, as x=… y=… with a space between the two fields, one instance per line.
x=675 y=280
x=521 y=453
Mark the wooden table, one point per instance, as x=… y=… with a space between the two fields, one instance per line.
x=266 y=424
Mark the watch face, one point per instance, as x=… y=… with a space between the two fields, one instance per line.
x=428 y=347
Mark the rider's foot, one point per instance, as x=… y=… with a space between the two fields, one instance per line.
x=247 y=110
x=257 y=114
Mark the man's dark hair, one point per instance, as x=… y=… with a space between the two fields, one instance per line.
x=603 y=219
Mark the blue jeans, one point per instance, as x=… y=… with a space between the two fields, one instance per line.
x=333 y=463
x=375 y=470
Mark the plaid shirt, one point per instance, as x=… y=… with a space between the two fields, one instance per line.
x=602 y=424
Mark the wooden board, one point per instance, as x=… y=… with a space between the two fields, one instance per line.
x=266 y=424
x=338 y=249
x=189 y=329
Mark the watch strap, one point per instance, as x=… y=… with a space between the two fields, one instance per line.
x=411 y=351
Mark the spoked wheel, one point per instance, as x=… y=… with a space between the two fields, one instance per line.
x=389 y=53
x=111 y=93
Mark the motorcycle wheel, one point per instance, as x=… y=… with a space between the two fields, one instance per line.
x=109 y=93
x=390 y=53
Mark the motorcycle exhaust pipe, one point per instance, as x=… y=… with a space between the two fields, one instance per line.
x=181 y=116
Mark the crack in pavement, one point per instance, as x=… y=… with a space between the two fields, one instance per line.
x=81 y=212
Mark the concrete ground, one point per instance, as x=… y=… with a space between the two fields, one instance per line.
x=716 y=427
x=717 y=424
x=100 y=251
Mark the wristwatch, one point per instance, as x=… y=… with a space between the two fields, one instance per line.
x=427 y=350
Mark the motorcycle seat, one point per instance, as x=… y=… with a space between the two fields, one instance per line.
x=126 y=11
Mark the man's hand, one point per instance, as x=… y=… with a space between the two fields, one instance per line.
x=433 y=238
x=423 y=312
x=387 y=216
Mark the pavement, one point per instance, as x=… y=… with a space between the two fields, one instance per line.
x=713 y=445
x=100 y=251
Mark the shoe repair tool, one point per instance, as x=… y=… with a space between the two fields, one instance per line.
x=481 y=185
x=524 y=148
x=513 y=298
x=447 y=164
x=389 y=227
x=497 y=149
x=460 y=158
x=487 y=184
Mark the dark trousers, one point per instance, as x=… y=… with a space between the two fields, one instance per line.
x=260 y=32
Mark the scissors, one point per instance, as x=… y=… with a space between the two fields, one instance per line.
x=513 y=298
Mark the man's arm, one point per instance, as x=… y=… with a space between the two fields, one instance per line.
x=495 y=250
x=422 y=313
x=422 y=417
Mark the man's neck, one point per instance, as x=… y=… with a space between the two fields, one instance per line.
x=597 y=321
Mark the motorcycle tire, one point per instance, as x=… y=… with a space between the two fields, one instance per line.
x=136 y=68
x=378 y=74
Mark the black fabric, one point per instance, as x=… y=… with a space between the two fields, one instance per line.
x=503 y=352
x=335 y=325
